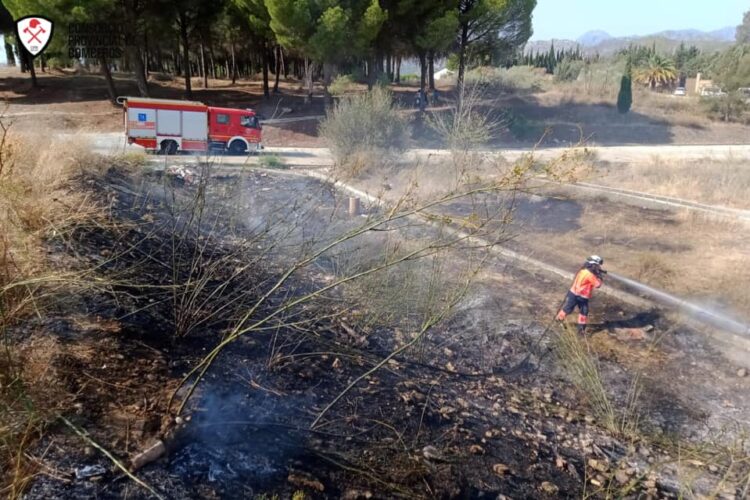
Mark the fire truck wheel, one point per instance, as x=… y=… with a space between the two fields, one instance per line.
x=237 y=147
x=168 y=148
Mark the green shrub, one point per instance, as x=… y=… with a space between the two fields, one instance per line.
x=341 y=85
x=364 y=122
x=522 y=128
x=59 y=62
x=568 y=70
x=272 y=161
x=410 y=78
x=452 y=62
x=729 y=108
x=516 y=78
x=383 y=80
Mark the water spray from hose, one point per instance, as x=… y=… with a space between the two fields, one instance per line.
x=703 y=314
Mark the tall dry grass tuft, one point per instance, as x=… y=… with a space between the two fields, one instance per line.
x=654 y=268
x=364 y=126
x=473 y=124
x=582 y=367
x=38 y=201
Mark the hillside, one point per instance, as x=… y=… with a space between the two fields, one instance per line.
x=601 y=42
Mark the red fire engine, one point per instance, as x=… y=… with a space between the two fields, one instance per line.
x=169 y=126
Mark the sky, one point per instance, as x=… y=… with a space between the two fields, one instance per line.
x=570 y=19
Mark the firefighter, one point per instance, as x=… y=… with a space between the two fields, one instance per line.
x=589 y=277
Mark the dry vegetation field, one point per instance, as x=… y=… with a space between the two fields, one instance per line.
x=714 y=182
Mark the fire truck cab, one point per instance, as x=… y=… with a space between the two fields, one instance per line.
x=169 y=126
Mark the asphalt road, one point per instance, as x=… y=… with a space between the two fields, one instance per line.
x=312 y=157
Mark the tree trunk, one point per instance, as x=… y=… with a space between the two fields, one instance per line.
x=327 y=77
x=398 y=70
x=431 y=69
x=22 y=59
x=211 y=58
x=422 y=71
x=389 y=67
x=175 y=53
x=308 y=80
x=372 y=72
x=139 y=70
x=461 y=64
x=185 y=55
x=42 y=66
x=108 y=77
x=32 y=71
x=234 y=65
x=9 y=55
x=145 y=54
x=133 y=52
x=265 y=63
x=277 y=69
x=204 y=69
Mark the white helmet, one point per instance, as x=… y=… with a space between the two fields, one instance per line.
x=595 y=259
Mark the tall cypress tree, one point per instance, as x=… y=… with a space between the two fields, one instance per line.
x=625 y=96
x=551 y=58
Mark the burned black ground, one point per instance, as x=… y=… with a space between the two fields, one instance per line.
x=439 y=422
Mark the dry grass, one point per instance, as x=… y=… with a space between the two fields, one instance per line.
x=366 y=122
x=580 y=362
x=683 y=253
x=38 y=201
x=683 y=111
x=713 y=181
x=474 y=123
x=653 y=267
x=581 y=366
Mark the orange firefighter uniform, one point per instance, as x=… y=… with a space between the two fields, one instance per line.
x=588 y=278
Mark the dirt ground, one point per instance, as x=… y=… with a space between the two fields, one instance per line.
x=80 y=102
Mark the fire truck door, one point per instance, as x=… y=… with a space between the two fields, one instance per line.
x=168 y=123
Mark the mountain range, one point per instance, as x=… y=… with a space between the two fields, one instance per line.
x=601 y=42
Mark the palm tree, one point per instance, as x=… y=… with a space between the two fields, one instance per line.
x=658 y=71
